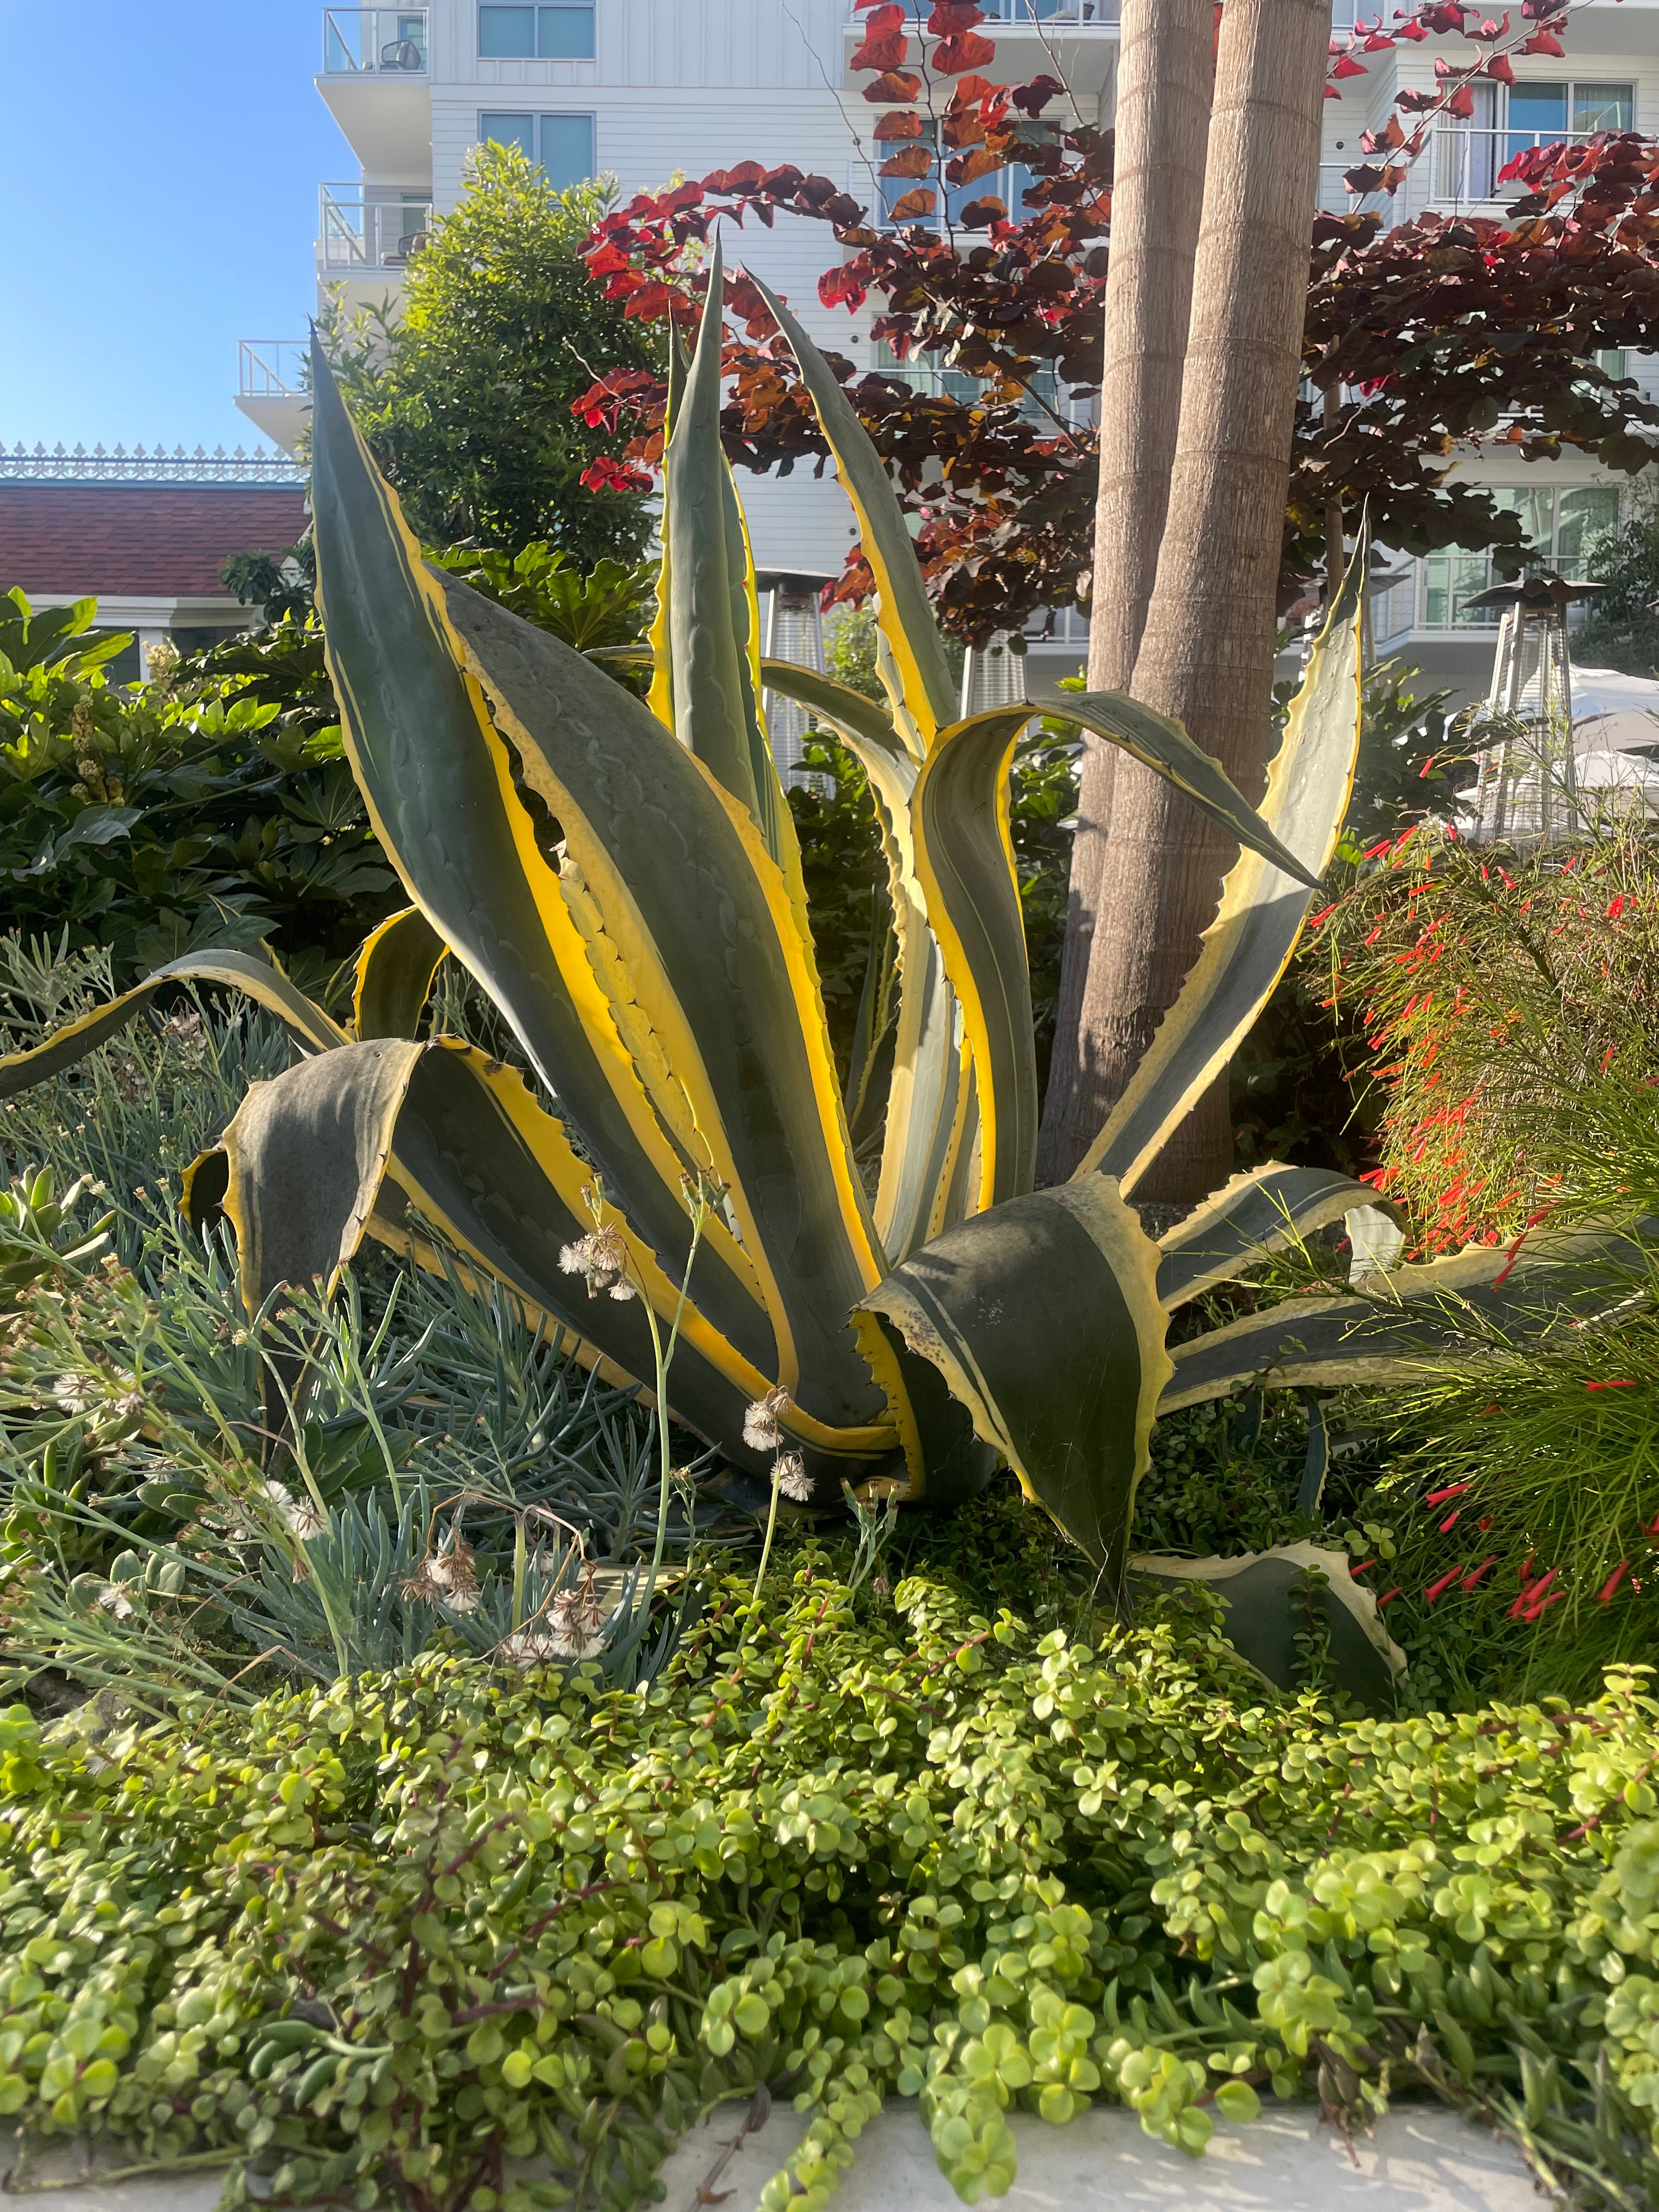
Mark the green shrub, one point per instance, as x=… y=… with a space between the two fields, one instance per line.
x=199 y=809
x=375 y=1939
x=1510 y=1025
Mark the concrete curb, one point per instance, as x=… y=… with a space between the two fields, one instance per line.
x=1421 y=2159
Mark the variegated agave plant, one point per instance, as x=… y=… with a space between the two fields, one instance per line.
x=622 y=879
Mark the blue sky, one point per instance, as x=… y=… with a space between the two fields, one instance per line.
x=159 y=169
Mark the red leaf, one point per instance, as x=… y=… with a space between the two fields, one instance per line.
x=908 y=161
x=979 y=214
x=1487 y=31
x=1414 y=103
x=1384 y=141
x=1545 y=42
x=1414 y=32
x=1498 y=67
x=606 y=474
x=884 y=14
x=1031 y=98
x=950 y=16
x=1379 y=42
x=893 y=84
x=1461 y=102
x=1448 y=16
x=903 y=124
x=840 y=287
x=967 y=168
x=916 y=204
x=967 y=52
x=1346 y=65
x=885 y=51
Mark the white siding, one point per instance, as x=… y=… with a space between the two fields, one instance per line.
x=677 y=87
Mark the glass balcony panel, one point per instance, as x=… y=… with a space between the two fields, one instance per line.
x=1585 y=514
x=1602 y=106
x=375 y=41
x=362 y=232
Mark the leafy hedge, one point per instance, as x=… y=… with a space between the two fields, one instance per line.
x=381 y=1940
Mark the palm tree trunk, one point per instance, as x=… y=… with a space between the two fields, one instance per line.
x=1164 y=78
x=1206 y=652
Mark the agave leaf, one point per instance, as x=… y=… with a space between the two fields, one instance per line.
x=660 y=696
x=240 y=971
x=303 y=1174
x=1247 y=946
x=684 y=909
x=1415 y=1316
x=928 y=1099
x=907 y=621
x=395 y=967
x=1163 y=746
x=1042 y=1318
x=438 y=782
x=712 y=624
x=1250 y=1217
x=1268 y=1596
x=304 y=1155
x=965 y=859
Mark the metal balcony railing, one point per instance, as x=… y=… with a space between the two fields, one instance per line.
x=273 y=369
x=157 y=466
x=1468 y=160
x=374 y=42
x=360 y=232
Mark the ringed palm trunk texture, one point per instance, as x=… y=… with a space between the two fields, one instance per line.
x=1165 y=78
x=1206 y=655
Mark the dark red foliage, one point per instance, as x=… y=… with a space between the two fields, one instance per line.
x=1441 y=331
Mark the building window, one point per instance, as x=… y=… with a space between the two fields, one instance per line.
x=1009 y=185
x=1560 y=527
x=1471 y=154
x=561 y=146
x=561 y=33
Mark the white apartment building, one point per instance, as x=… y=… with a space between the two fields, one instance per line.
x=645 y=90
x=648 y=90
x=1607 y=79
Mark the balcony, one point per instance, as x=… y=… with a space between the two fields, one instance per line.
x=1075 y=39
x=374 y=42
x=365 y=231
x=374 y=82
x=1466 y=160
x=273 y=386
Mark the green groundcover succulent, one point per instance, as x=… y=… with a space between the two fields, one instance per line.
x=387 y=1942
x=622 y=878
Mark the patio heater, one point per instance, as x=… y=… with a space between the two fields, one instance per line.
x=1526 y=788
x=994 y=674
x=794 y=631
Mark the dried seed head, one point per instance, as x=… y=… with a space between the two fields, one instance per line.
x=114 y=1600
x=790 y=1476
x=529 y=1648
x=578 y=1623
x=73 y=1393
x=602 y=1257
x=762 y=1423
x=300 y=1515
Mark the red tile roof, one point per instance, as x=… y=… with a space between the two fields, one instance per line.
x=139 y=541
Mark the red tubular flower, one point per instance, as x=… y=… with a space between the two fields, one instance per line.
x=1452 y=1490
x=1438 y=1589
x=1450 y=1521
x=1388 y=1597
x=1604 y=1595
x=1475 y=1573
